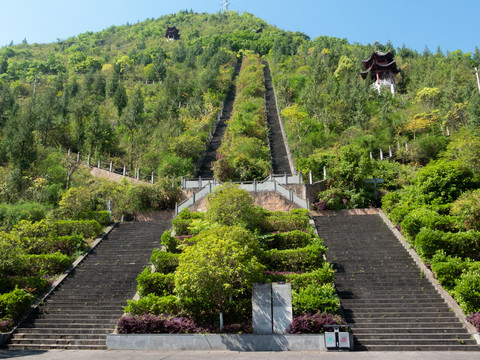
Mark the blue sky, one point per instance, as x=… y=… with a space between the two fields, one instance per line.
x=419 y=23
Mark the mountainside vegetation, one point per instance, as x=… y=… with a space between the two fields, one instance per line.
x=128 y=95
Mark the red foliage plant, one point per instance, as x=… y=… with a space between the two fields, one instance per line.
x=314 y=324
x=474 y=318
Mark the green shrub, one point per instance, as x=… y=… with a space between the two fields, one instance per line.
x=67 y=245
x=443 y=181
x=45 y=228
x=11 y=254
x=181 y=226
x=229 y=205
x=467 y=209
x=304 y=259
x=462 y=244
x=45 y=264
x=447 y=269
x=422 y=217
x=164 y=262
x=467 y=292
x=14 y=304
x=10 y=214
x=33 y=284
x=75 y=201
x=324 y=275
x=155 y=283
x=89 y=229
x=187 y=214
x=315 y=299
x=104 y=218
x=287 y=240
x=154 y=305
x=169 y=242
x=184 y=220
x=283 y=222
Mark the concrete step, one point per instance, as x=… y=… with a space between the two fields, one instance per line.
x=88 y=304
x=387 y=302
x=409 y=336
x=39 y=346
x=417 y=348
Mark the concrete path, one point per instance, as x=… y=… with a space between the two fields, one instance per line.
x=220 y=355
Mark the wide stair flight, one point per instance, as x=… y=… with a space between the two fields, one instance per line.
x=387 y=302
x=280 y=164
x=205 y=171
x=88 y=303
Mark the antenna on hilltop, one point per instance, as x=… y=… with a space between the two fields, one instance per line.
x=225 y=5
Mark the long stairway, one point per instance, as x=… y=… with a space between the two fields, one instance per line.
x=205 y=171
x=387 y=302
x=280 y=164
x=88 y=303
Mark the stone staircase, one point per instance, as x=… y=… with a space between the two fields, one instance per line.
x=280 y=164
x=87 y=304
x=388 y=303
x=205 y=171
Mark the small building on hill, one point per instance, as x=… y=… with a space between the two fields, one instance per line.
x=172 y=33
x=381 y=68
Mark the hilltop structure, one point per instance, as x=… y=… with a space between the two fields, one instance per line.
x=172 y=33
x=382 y=68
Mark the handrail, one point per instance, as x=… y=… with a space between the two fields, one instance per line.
x=254 y=186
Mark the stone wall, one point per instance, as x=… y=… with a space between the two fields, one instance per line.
x=273 y=201
x=312 y=190
x=269 y=200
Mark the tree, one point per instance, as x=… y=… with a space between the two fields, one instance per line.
x=133 y=118
x=443 y=181
x=429 y=97
x=97 y=132
x=19 y=140
x=222 y=264
x=230 y=205
x=120 y=98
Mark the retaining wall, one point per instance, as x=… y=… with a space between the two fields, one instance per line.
x=220 y=342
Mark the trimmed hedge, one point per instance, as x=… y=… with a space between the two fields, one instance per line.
x=45 y=228
x=184 y=220
x=155 y=283
x=169 y=242
x=34 y=284
x=448 y=269
x=315 y=298
x=323 y=275
x=420 y=218
x=14 y=304
x=287 y=240
x=467 y=292
x=153 y=304
x=282 y=222
x=304 y=259
x=45 y=264
x=103 y=217
x=67 y=245
x=164 y=262
x=462 y=244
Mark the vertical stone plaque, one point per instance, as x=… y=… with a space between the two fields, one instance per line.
x=282 y=307
x=262 y=308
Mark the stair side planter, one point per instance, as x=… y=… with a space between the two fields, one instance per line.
x=4 y=337
x=217 y=342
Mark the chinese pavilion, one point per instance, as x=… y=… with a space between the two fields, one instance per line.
x=382 y=68
x=172 y=33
